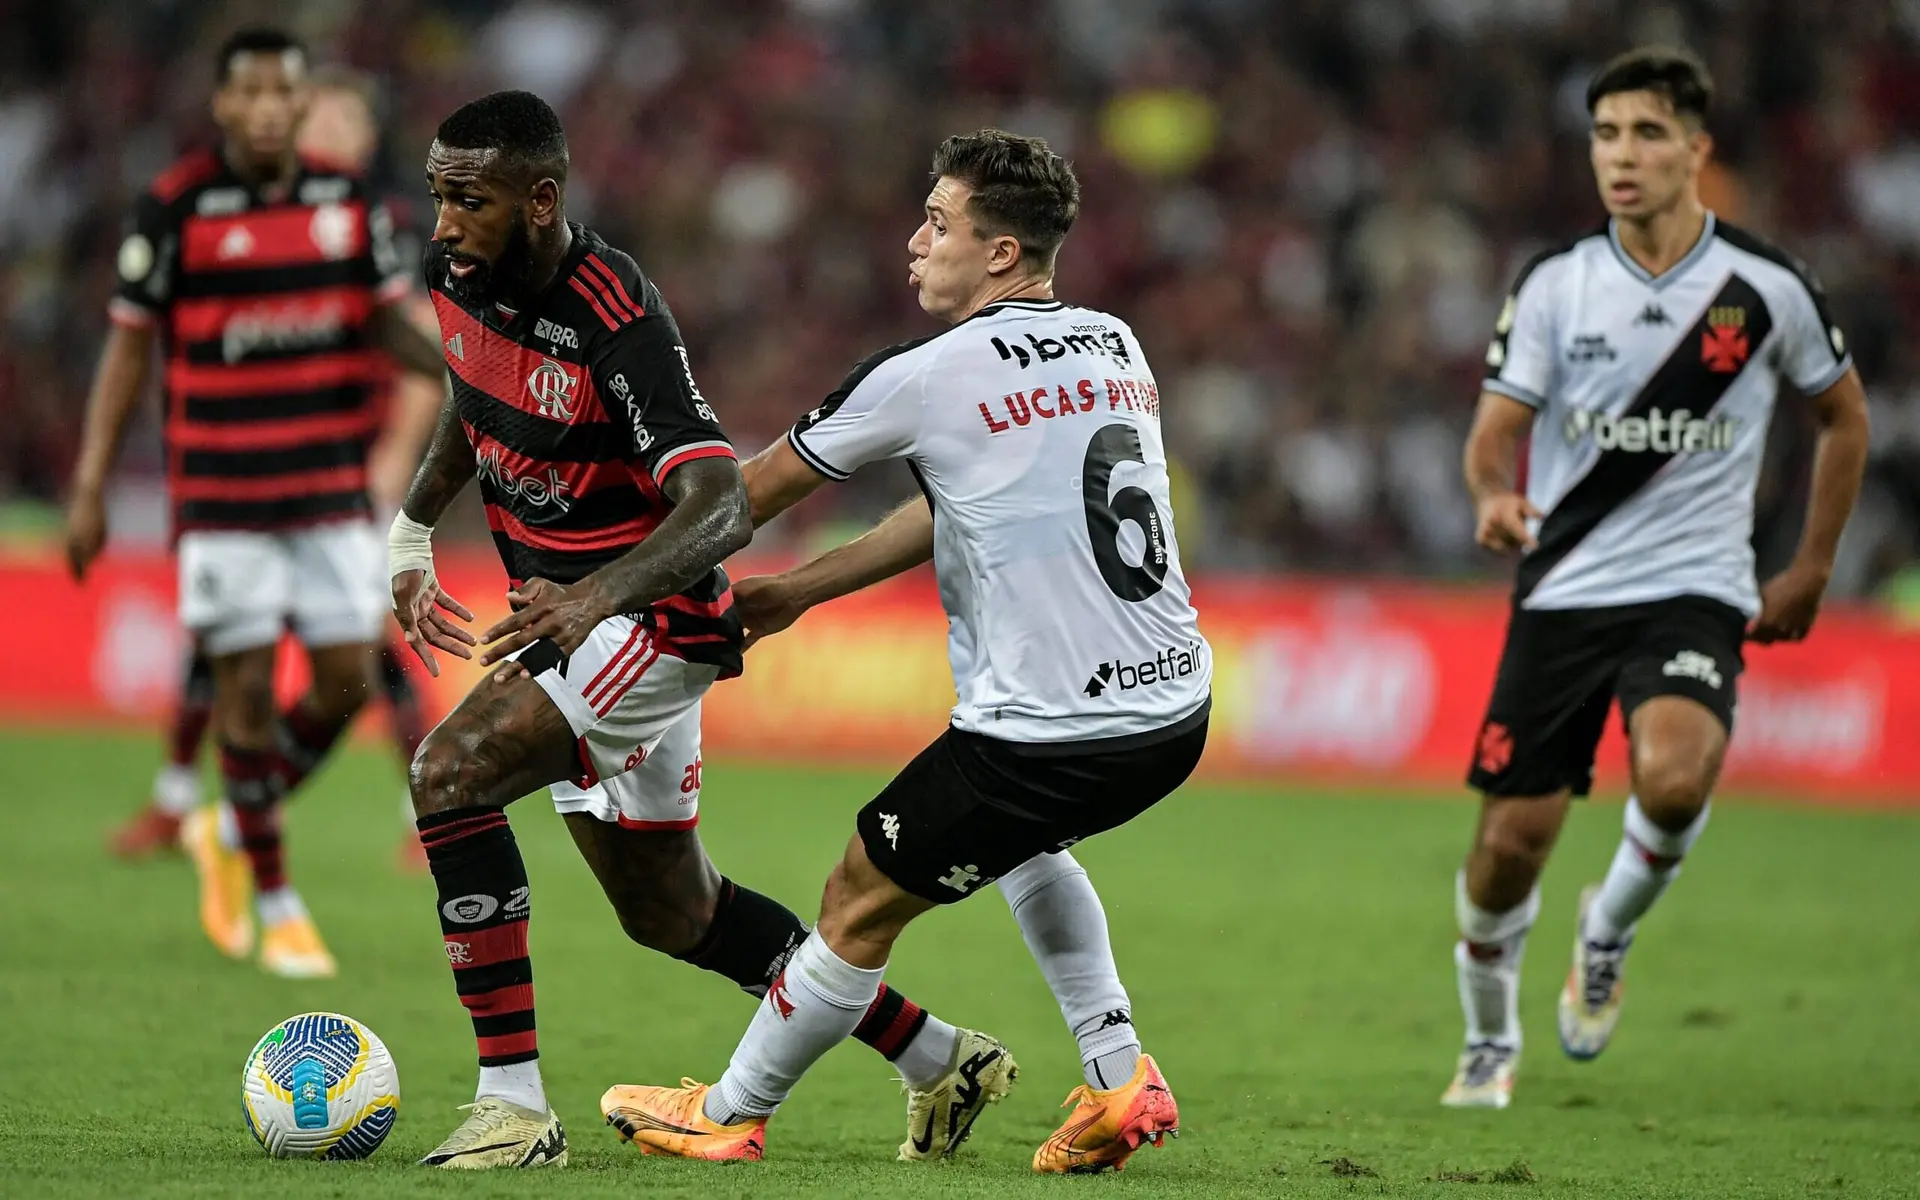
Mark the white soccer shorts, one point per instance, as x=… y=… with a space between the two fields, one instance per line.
x=635 y=712
x=240 y=589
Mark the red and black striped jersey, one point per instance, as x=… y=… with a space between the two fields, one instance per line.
x=264 y=306
x=578 y=407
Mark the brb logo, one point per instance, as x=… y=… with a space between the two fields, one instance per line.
x=1657 y=430
x=552 y=389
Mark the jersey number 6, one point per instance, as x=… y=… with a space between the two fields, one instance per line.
x=1111 y=446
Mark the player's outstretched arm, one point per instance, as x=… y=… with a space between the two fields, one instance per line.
x=770 y=603
x=709 y=521
x=415 y=411
x=410 y=345
x=777 y=479
x=116 y=388
x=1790 y=600
x=1491 y=464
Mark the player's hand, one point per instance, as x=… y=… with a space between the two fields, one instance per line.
x=565 y=613
x=1789 y=602
x=426 y=613
x=1501 y=523
x=86 y=530
x=766 y=605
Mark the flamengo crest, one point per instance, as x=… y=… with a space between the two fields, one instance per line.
x=552 y=388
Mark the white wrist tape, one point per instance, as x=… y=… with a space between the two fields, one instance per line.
x=409 y=546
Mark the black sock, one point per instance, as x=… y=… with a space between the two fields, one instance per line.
x=482 y=886
x=750 y=940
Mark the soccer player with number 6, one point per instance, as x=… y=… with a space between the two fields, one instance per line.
x=1084 y=685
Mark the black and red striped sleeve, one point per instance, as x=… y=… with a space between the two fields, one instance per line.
x=643 y=375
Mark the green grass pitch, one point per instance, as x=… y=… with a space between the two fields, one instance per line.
x=1288 y=954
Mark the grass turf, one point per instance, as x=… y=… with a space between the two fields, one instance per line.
x=1288 y=955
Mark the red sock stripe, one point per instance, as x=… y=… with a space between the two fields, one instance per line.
x=515 y=998
x=606 y=318
x=893 y=1039
x=619 y=290
x=484 y=947
x=1659 y=862
x=509 y=1046
x=466 y=827
x=1484 y=952
x=260 y=842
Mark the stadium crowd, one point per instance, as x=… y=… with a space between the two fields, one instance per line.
x=1309 y=211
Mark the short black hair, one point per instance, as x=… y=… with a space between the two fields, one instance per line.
x=255 y=39
x=521 y=126
x=1020 y=187
x=1668 y=71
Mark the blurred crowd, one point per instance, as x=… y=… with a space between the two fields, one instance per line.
x=1308 y=210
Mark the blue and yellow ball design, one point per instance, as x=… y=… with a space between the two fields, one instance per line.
x=320 y=1085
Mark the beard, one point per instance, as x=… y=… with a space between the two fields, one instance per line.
x=508 y=279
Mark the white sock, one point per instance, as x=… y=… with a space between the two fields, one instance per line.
x=516 y=1083
x=1646 y=862
x=1487 y=960
x=929 y=1056
x=229 y=826
x=813 y=1007
x=176 y=789
x=1065 y=928
x=281 y=904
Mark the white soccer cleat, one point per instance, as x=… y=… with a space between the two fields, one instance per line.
x=1484 y=1077
x=940 y=1118
x=1590 y=999
x=498 y=1134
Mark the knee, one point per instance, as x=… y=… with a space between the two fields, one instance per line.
x=452 y=769
x=1516 y=843
x=247 y=708
x=1673 y=783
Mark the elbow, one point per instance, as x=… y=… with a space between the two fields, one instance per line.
x=737 y=532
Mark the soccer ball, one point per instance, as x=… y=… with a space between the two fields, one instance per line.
x=320 y=1085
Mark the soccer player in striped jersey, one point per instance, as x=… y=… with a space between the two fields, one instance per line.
x=1640 y=364
x=613 y=496
x=339 y=130
x=271 y=285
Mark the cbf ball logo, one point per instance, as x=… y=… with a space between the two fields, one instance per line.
x=552 y=389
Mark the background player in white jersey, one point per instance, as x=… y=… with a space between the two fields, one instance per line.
x=1033 y=430
x=1641 y=365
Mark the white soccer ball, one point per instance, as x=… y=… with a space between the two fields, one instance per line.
x=320 y=1085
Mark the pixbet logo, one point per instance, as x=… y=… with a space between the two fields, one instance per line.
x=537 y=492
x=1175 y=662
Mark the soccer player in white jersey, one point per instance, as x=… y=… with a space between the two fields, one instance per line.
x=1084 y=684
x=1640 y=363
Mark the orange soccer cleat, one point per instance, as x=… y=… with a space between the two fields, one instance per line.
x=662 y=1120
x=1108 y=1126
x=226 y=885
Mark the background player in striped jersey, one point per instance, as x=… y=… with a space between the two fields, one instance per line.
x=1640 y=364
x=613 y=496
x=272 y=286
x=339 y=129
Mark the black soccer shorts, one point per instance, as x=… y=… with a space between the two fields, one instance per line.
x=969 y=808
x=1562 y=669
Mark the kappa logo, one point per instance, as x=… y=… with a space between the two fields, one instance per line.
x=777 y=996
x=1653 y=314
x=552 y=389
x=890 y=826
x=1691 y=664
